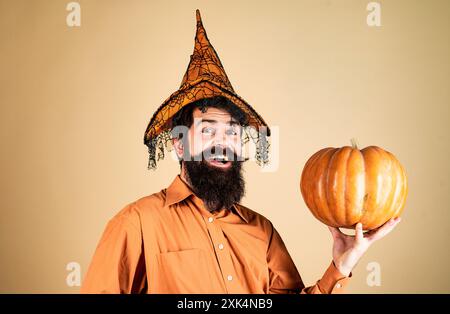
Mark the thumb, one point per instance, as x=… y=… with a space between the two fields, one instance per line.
x=359 y=236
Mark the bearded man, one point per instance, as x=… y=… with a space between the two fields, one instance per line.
x=195 y=236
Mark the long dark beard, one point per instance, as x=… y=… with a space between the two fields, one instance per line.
x=217 y=187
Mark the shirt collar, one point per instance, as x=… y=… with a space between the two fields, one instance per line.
x=178 y=191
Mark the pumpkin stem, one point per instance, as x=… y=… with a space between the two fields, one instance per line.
x=354 y=143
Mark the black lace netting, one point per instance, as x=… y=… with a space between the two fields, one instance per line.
x=159 y=144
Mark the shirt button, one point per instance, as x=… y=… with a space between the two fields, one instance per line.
x=210 y=219
x=220 y=246
x=338 y=285
x=230 y=277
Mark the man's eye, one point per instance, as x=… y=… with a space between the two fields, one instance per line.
x=208 y=130
x=232 y=132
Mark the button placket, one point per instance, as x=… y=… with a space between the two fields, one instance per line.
x=225 y=254
x=222 y=252
x=215 y=233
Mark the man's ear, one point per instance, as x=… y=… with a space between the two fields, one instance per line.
x=179 y=148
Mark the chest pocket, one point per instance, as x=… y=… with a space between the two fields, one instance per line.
x=186 y=271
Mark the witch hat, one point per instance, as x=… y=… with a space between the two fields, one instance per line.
x=205 y=78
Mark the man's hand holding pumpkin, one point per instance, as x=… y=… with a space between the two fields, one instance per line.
x=348 y=250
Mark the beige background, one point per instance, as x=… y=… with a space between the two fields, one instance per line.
x=75 y=103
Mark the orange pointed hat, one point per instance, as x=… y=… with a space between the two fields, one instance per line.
x=205 y=78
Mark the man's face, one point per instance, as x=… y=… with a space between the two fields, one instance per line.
x=214 y=152
x=215 y=136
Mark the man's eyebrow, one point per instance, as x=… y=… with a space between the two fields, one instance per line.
x=232 y=122
x=207 y=120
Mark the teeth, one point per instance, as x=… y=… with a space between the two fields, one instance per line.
x=221 y=158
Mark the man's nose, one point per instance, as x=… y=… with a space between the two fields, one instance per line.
x=220 y=139
x=218 y=149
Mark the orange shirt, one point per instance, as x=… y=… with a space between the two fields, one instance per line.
x=168 y=242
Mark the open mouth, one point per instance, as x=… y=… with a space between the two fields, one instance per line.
x=220 y=161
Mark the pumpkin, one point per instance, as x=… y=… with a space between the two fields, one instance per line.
x=344 y=186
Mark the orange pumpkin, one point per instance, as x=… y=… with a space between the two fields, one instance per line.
x=344 y=186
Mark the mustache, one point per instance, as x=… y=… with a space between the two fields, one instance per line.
x=218 y=152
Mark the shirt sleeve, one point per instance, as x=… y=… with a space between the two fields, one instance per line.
x=285 y=278
x=118 y=264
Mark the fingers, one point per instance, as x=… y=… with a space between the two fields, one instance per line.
x=384 y=230
x=371 y=235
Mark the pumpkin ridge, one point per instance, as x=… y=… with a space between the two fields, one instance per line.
x=312 y=169
x=363 y=209
x=405 y=188
x=333 y=217
x=318 y=211
x=391 y=199
x=366 y=195
x=374 y=216
x=345 y=187
x=307 y=170
x=402 y=175
x=353 y=204
x=324 y=213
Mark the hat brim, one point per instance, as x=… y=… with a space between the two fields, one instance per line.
x=162 y=118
